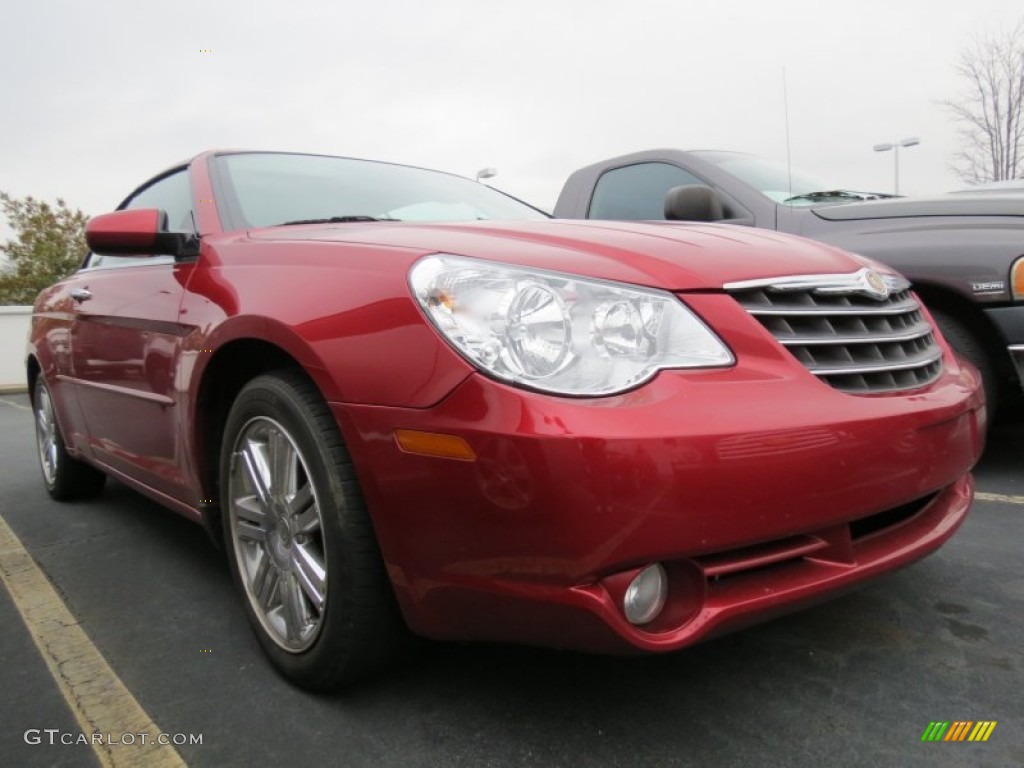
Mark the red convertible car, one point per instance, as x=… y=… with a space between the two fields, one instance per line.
x=405 y=401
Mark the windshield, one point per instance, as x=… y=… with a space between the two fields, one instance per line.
x=267 y=189
x=771 y=179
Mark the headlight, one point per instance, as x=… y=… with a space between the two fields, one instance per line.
x=560 y=333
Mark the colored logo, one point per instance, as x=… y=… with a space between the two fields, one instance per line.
x=959 y=730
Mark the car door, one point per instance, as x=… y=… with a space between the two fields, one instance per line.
x=125 y=345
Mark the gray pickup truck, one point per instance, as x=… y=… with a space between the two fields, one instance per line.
x=963 y=252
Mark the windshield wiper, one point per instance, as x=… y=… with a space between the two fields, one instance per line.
x=335 y=220
x=837 y=194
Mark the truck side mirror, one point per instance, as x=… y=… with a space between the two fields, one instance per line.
x=693 y=202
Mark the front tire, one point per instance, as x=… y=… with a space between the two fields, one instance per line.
x=65 y=478
x=299 y=540
x=968 y=345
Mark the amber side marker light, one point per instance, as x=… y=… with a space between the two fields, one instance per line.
x=434 y=444
x=1017 y=278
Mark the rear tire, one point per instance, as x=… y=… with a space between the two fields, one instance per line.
x=967 y=344
x=65 y=477
x=300 y=543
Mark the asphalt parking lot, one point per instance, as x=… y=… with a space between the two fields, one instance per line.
x=851 y=683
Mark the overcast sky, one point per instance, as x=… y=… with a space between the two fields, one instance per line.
x=96 y=97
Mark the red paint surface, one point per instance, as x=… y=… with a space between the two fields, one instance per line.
x=126 y=232
x=530 y=541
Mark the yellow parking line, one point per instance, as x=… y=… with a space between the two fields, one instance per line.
x=98 y=699
x=999 y=497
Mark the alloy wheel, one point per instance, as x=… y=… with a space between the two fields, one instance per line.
x=277 y=534
x=46 y=436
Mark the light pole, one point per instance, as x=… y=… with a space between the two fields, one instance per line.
x=913 y=141
x=486 y=173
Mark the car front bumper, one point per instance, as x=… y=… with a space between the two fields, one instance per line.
x=1017 y=358
x=1010 y=321
x=759 y=490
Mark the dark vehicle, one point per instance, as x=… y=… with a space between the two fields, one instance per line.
x=964 y=253
x=1013 y=186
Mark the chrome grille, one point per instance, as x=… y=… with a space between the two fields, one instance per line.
x=861 y=333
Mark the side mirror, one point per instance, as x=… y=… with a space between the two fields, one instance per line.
x=693 y=202
x=141 y=232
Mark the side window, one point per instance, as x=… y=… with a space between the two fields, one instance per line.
x=637 y=192
x=172 y=194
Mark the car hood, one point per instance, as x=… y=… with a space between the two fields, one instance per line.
x=668 y=255
x=906 y=207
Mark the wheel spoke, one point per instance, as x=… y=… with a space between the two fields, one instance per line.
x=246 y=530
x=265 y=582
x=251 y=509
x=43 y=423
x=303 y=508
x=256 y=470
x=295 y=612
x=281 y=465
x=311 y=574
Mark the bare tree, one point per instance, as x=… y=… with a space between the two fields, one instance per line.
x=990 y=111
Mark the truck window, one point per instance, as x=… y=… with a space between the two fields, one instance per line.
x=637 y=192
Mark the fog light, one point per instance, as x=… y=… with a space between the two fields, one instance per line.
x=646 y=594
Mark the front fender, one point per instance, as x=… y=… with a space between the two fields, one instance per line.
x=359 y=335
